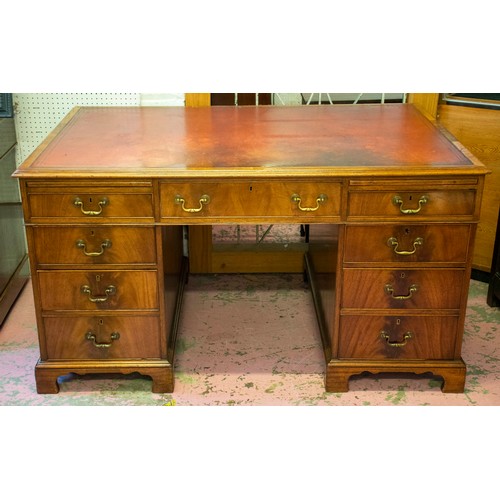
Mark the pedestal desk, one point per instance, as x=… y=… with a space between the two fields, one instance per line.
x=392 y=203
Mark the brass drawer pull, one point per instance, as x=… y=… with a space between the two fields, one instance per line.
x=79 y=203
x=392 y=241
x=105 y=244
x=110 y=290
x=90 y=336
x=397 y=200
x=384 y=335
x=204 y=200
x=320 y=199
x=390 y=290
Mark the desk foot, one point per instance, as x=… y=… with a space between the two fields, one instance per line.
x=46 y=380
x=338 y=373
x=47 y=373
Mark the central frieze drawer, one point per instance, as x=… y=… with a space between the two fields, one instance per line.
x=83 y=245
x=94 y=290
x=402 y=288
x=397 y=337
x=105 y=337
x=403 y=244
x=273 y=199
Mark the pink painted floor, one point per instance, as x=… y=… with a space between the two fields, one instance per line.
x=251 y=340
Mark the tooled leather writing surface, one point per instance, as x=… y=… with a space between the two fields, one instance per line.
x=134 y=138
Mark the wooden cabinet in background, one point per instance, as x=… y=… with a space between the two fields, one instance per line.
x=14 y=269
x=478 y=129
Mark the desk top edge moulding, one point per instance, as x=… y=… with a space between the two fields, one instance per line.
x=392 y=201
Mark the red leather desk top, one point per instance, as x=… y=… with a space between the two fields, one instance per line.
x=146 y=141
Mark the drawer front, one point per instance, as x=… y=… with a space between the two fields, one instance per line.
x=88 y=245
x=391 y=337
x=90 y=337
x=402 y=288
x=87 y=290
x=229 y=200
x=85 y=205
x=404 y=204
x=402 y=244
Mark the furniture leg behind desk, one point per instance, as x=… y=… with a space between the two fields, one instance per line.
x=493 y=298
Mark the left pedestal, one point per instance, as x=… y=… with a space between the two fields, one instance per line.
x=107 y=281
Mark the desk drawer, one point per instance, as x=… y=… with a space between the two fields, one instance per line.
x=404 y=204
x=105 y=337
x=108 y=290
x=402 y=244
x=402 y=288
x=391 y=337
x=87 y=203
x=264 y=200
x=88 y=245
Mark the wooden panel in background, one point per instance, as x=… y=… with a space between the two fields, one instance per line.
x=197 y=100
x=426 y=103
x=479 y=131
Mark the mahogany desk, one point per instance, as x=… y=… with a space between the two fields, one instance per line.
x=392 y=203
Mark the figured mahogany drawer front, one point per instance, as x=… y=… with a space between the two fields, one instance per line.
x=105 y=337
x=84 y=245
x=272 y=199
x=403 y=204
x=85 y=205
x=95 y=290
x=402 y=288
x=402 y=244
x=392 y=337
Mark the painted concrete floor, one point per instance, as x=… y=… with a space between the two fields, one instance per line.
x=250 y=340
